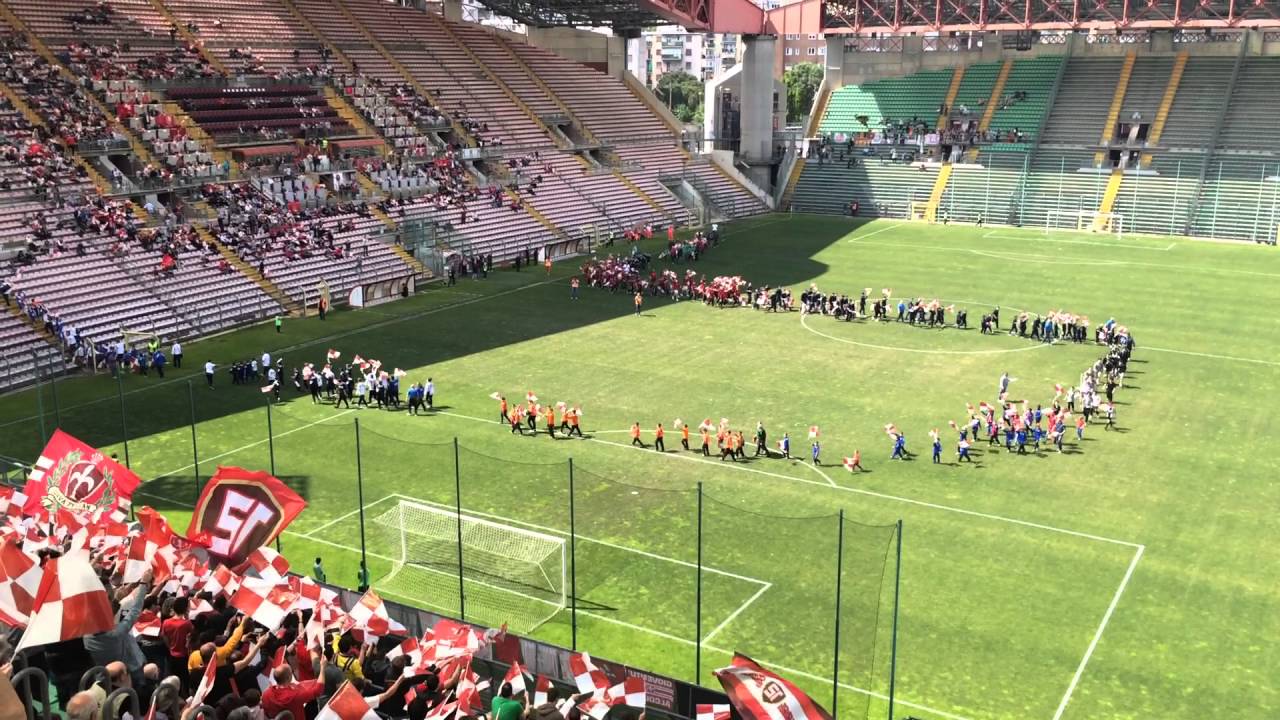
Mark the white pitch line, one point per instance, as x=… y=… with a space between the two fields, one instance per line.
x=317 y=341
x=1211 y=355
x=846 y=686
x=999 y=235
x=1106 y=618
x=584 y=538
x=858 y=238
x=604 y=618
x=725 y=623
x=845 y=488
x=255 y=443
x=344 y=516
x=1033 y=346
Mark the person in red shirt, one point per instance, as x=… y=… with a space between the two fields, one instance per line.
x=289 y=695
x=176 y=631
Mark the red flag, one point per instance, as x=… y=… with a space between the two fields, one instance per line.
x=266 y=563
x=630 y=692
x=206 y=683
x=541 y=687
x=266 y=601
x=759 y=694
x=20 y=577
x=588 y=677
x=242 y=510
x=70 y=603
x=515 y=678
x=712 y=712
x=347 y=704
x=11 y=502
x=147 y=625
x=370 y=614
x=72 y=475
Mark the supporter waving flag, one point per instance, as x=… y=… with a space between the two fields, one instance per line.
x=760 y=694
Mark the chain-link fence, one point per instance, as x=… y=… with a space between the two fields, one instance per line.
x=641 y=567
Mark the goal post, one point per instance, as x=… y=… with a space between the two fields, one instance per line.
x=509 y=574
x=1085 y=221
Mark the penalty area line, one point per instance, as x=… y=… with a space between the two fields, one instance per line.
x=1097 y=636
x=844 y=488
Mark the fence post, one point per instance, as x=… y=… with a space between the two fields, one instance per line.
x=835 y=664
x=195 y=453
x=124 y=427
x=53 y=386
x=697 y=656
x=573 y=566
x=457 y=498
x=35 y=365
x=364 y=558
x=893 y=651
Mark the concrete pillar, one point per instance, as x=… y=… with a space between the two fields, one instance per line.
x=1162 y=41
x=833 y=75
x=756 y=106
x=452 y=10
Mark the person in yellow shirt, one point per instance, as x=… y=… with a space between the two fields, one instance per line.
x=219 y=653
x=347 y=659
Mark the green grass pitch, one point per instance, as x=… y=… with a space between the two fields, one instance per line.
x=1132 y=577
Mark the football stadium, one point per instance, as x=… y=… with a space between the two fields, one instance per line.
x=669 y=359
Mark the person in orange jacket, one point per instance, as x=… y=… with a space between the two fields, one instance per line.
x=658 y=434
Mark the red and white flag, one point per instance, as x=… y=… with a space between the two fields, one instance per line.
x=147 y=625
x=146 y=545
x=629 y=692
x=20 y=577
x=594 y=708
x=588 y=677
x=760 y=694
x=222 y=581
x=443 y=711
x=207 y=679
x=332 y=355
x=813 y=431
x=266 y=563
x=469 y=687
x=70 y=603
x=370 y=615
x=515 y=678
x=530 y=397
x=266 y=601
x=11 y=501
x=541 y=688
x=849 y=463
x=718 y=711
x=70 y=474
x=410 y=648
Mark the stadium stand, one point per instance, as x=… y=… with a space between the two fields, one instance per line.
x=1208 y=170
x=121 y=119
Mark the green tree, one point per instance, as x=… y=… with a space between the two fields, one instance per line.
x=802 y=81
x=681 y=92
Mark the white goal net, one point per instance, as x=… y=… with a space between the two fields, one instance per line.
x=1088 y=221
x=510 y=574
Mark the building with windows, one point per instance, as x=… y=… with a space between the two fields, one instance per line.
x=671 y=48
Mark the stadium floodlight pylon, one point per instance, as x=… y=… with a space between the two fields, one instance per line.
x=1085 y=221
x=509 y=574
